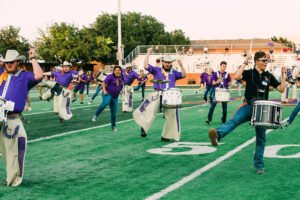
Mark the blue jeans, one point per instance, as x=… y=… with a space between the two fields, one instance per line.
x=243 y=114
x=143 y=89
x=211 y=91
x=213 y=106
x=294 y=113
x=98 y=89
x=113 y=105
x=87 y=87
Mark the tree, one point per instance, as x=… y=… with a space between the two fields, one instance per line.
x=10 y=39
x=63 y=42
x=282 y=40
x=137 y=30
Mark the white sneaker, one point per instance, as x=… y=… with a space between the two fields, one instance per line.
x=90 y=102
x=114 y=129
x=94 y=118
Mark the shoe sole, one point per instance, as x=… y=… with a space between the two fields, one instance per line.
x=213 y=137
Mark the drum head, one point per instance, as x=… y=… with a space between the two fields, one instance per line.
x=264 y=102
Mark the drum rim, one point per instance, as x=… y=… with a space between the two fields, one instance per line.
x=266 y=102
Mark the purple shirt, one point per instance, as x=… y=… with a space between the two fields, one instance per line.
x=202 y=76
x=224 y=75
x=128 y=79
x=111 y=85
x=80 y=85
x=64 y=79
x=158 y=74
x=208 y=79
x=18 y=89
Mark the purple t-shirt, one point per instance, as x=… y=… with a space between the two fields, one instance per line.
x=128 y=79
x=202 y=76
x=208 y=79
x=80 y=85
x=64 y=79
x=18 y=89
x=158 y=74
x=224 y=75
x=111 y=85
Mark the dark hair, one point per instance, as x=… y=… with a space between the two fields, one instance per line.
x=259 y=54
x=223 y=62
x=117 y=66
x=157 y=60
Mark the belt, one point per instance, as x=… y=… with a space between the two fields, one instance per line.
x=13 y=113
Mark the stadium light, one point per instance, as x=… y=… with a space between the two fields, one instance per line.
x=119 y=54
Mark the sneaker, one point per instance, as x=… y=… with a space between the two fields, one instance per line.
x=61 y=120
x=94 y=118
x=208 y=122
x=143 y=133
x=260 y=171
x=81 y=102
x=165 y=139
x=40 y=98
x=213 y=135
x=73 y=100
x=286 y=124
x=114 y=129
x=90 y=102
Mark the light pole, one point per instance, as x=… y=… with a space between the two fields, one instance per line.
x=119 y=54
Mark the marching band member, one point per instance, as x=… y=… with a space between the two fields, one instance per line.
x=59 y=88
x=209 y=89
x=220 y=79
x=257 y=88
x=111 y=87
x=82 y=80
x=127 y=99
x=14 y=87
x=99 y=82
x=142 y=83
x=146 y=112
x=202 y=84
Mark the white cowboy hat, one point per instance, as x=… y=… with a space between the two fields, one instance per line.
x=168 y=58
x=65 y=63
x=128 y=65
x=12 y=55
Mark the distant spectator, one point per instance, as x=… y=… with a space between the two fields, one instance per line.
x=206 y=61
x=205 y=50
x=191 y=51
x=183 y=51
x=226 y=51
x=271 y=51
x=245 y=53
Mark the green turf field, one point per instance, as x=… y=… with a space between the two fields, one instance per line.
x=81 y=159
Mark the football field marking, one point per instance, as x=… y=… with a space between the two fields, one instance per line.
x=201 y=170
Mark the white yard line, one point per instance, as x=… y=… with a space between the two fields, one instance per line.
x=201 y=170
x=91 y=128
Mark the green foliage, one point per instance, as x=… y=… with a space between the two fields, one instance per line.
x=282 y=40
x=137 y=29
x=66 y=42
x=10 y=39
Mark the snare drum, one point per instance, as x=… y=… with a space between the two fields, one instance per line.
x=267 y=114
x=102 y=77
x=222 y=94
x=172 y=98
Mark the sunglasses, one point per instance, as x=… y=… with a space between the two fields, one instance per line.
x=264 y=60
x=167 y=62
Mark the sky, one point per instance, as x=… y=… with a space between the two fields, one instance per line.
x=199 y=19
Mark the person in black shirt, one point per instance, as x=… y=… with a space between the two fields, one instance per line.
x=258 y=82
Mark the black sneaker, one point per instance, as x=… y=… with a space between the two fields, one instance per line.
x=208 y=122
x=73 y=100
x=143 y=133
x=81 y=102
x=165 y=139
x=61 y=120
x=40 y=98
